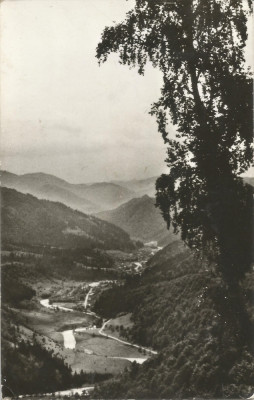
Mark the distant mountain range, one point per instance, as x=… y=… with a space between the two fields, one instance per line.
x=28 y=220
x=141 y=187
x=88 y=198
x=141 y=219
x=126 y=204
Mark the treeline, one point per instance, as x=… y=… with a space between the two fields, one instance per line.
x=23 y=267
x=14 y=291
x=89 y=257
x=28 y=369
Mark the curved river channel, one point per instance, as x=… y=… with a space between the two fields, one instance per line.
x=69 y=341
x=68 y=335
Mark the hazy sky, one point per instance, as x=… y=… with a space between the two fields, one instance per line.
x=61 y=112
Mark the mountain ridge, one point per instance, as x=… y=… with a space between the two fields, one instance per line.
x=141 y=219
x=88 y=198
x=26 y=219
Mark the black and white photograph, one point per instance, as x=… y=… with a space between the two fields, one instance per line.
x=127 y=176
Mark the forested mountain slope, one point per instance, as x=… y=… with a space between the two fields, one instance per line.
x=141 y=219
x=25 y=219
x=174 y=312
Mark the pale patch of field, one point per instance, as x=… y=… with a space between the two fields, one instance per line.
x=49 y=322
x=103 y=346
x=92 y=363
x=92 y=353
x=124 y=320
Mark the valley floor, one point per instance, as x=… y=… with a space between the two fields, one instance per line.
x=61 y=320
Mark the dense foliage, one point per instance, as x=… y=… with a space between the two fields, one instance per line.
x=207 y=92
x=198 y=45
x=31 y=369
x=173 y=312
x=14 y=291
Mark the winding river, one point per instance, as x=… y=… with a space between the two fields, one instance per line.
x=46 y=303
x=70 y=341
x=69 y=337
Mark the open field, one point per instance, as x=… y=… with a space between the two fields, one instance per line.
x=103 y=346
x=79 y=360
x=124 y=320
x=48 y=321
x=92 y=353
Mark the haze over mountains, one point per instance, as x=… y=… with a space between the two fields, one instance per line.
x=126 y=204
x=140 y=186
x=141 y=219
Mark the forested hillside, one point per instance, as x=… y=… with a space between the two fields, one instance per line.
x=141 y=220
x=174 y=311
x=27 y=368
x=27 y=220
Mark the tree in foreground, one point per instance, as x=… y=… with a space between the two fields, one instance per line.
x=198 y=45
x=207 y=93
